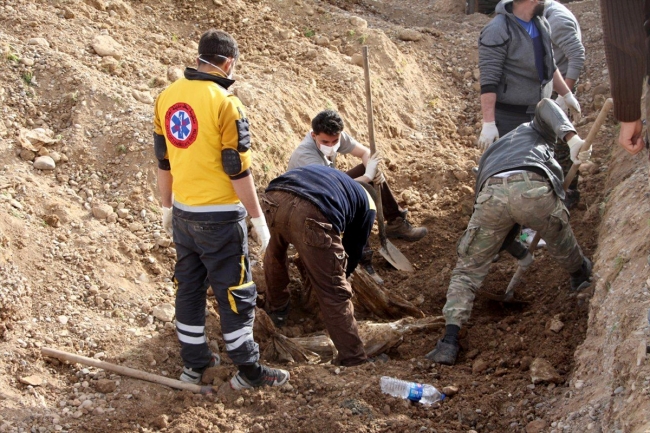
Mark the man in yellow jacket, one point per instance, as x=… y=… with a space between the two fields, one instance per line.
x=202 y=143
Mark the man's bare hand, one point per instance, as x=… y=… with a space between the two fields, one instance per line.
x=630 y=137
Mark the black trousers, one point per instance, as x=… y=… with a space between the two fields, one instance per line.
x=207 y=247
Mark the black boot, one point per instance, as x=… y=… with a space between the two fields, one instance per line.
x=279 y=317
x=446 y=350
x=580 y=278
x=366 y=264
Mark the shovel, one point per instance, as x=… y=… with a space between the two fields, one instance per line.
x=516 y=278
x=126 y=371
x=387 y=250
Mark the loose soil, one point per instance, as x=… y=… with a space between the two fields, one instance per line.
x=78 y=281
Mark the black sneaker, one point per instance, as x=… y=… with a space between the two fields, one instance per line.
x=270 y=377
x=366 y=264
x=194 y=375
x=580 y=279
x=279 y=317
x=373 y=274
x=444 y=353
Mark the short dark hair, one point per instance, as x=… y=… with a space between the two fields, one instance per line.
x=215 y=43
x=327 y=121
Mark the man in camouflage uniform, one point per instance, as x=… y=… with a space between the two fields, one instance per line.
x=518 y=182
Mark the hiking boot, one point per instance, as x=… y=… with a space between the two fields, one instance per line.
x=580 y=278
x=279 y=317
x=444 y=353
x=194 y=375
x=269 y=377
x=571 y=198
x=366 y=264
x=400 y=228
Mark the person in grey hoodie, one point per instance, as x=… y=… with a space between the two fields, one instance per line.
x=517 y=68
x=568 y=51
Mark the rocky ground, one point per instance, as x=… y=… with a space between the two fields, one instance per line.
x=85 y=266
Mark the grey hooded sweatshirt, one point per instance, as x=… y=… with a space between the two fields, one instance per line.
x=507 y=59
x=529 y=146
x=568 y=51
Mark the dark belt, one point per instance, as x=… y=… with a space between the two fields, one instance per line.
x=517 y=177
x=524 y=109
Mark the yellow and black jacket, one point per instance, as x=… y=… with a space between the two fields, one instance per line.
x=201 y=133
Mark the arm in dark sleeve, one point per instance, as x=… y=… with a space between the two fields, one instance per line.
x=554 y=117
x=626 y=53
x=355 y=238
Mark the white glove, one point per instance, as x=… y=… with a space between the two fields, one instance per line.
x=371 y=166
x=569 y=101
x=577 y=156
x=526 y=261
x=262 y=232
x=489 y=134
x=167 y=220
x=379 y=178
x=560 y=102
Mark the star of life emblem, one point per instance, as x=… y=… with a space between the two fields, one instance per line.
x=181 y=125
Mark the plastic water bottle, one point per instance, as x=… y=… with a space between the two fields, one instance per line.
x=425 y=394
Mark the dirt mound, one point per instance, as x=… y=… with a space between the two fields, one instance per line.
x=85 y=266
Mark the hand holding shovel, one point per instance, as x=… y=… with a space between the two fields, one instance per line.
x=388 y=250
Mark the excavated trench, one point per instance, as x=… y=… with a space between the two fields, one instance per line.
x=426 y=114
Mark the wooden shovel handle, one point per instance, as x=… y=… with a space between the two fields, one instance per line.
x=373 y=146
x=126 y=371
x=590 y=138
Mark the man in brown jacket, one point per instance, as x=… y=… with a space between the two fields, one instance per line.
x=626 y=27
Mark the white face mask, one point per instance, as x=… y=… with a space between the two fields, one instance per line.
x=232 y=68
x=329 y=150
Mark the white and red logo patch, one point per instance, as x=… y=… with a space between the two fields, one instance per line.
x=181 y=125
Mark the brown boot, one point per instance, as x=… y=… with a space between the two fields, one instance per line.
x=400 y=228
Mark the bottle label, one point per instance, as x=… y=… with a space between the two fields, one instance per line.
x=415 y=392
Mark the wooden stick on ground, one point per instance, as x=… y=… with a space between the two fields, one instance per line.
x=126 y=371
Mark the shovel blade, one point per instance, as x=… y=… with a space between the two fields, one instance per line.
x=395 y=257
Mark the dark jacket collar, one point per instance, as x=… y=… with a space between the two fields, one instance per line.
x=193 y=74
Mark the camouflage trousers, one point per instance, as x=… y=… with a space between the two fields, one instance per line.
x=498 y=208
